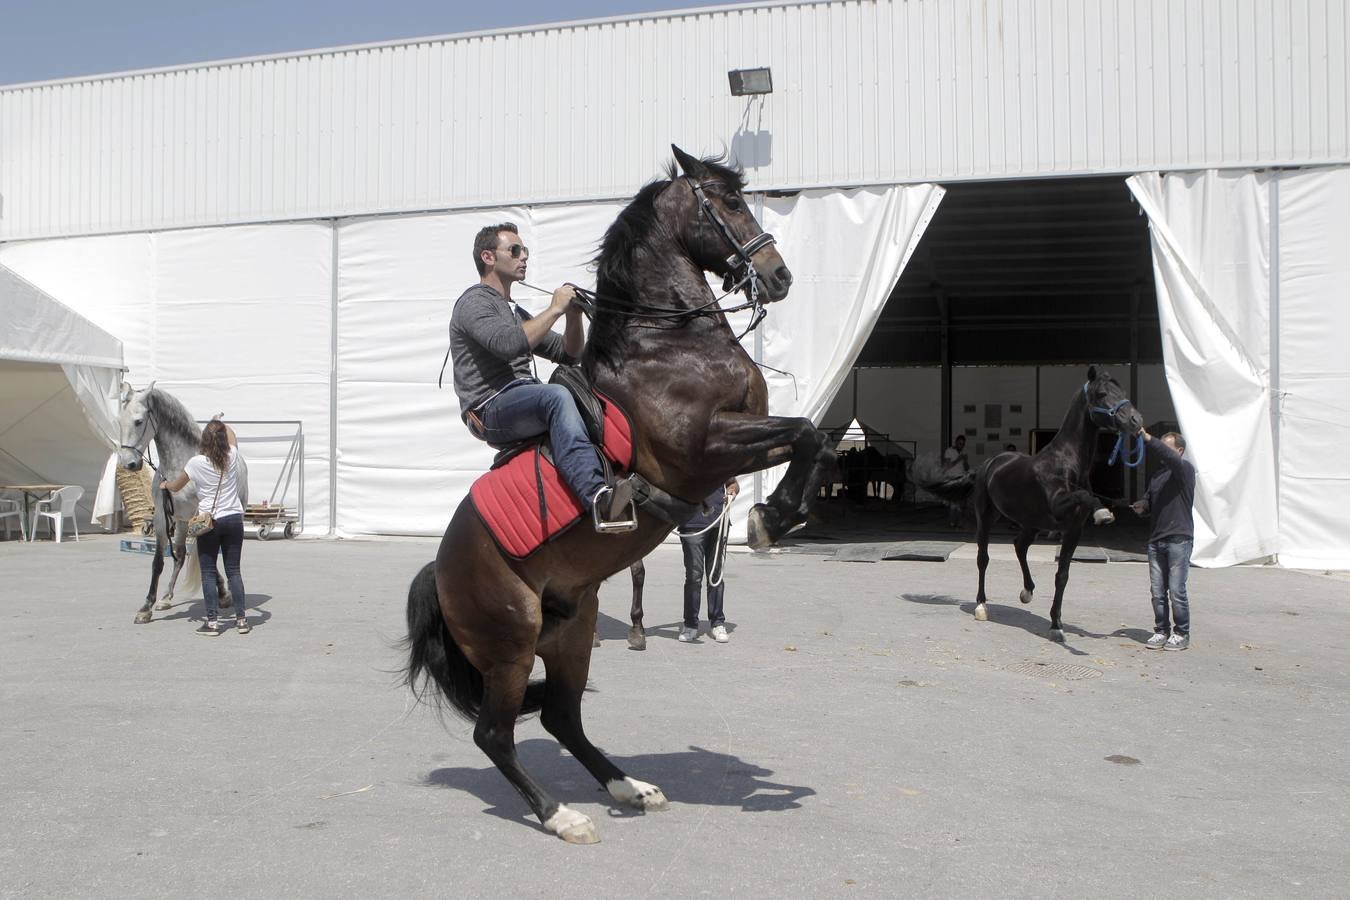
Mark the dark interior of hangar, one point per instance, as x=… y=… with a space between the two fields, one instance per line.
x=1025 y=272
x=1014 y=288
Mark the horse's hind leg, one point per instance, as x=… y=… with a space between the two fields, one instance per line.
x=504 y=687
x=637 y=635
x=567 y=660
x=1021 y=544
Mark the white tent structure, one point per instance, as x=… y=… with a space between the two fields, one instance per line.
x=59 y=378
x=303 y=220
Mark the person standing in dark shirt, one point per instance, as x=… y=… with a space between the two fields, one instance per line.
x=703 y=540
x=1170 y=496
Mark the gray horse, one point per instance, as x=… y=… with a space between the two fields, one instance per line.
x=154 y=415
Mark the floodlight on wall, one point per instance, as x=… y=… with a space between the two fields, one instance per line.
x=747 y=82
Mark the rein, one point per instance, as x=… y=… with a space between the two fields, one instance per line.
x=1131 y=459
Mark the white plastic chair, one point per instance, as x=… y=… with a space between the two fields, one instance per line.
x=10 y=509
x=60 y=505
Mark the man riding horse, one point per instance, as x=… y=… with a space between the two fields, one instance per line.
x=491 y=342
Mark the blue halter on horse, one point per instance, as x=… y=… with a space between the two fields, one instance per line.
x=1122 y=443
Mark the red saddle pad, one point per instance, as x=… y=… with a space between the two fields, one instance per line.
x=507 y=498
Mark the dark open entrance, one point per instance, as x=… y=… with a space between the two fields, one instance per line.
x=1035 y=279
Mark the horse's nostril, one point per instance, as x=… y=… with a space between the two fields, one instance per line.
x=783 y=275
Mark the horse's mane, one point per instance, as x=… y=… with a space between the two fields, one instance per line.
x=172 y=417
x=617 y=260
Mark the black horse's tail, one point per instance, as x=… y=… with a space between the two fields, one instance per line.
x=952 y=488
x=433 y=655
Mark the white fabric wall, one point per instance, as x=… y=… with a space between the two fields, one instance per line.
x=1211 y=261
x=1313 y=375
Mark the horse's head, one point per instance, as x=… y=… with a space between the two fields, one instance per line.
x=719 y=230
x=137 y=423
x=1107 y=404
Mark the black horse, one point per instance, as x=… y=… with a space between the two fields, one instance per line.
x=1048 y=491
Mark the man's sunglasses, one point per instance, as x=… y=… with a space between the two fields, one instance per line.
x=516 y=250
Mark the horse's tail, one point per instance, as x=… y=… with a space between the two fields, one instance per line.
x=930 y=476
x=433 y=655
x=192 y=570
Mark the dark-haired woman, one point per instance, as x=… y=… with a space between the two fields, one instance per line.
x=214 y=472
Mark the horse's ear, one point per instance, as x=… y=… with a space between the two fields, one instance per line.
x=150 y=387
x=690 y=165
x=1092 y=373
x=126 y=392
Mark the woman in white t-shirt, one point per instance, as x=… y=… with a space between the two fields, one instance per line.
x=214 y=471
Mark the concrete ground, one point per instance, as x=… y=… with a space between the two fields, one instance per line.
x=861 y=734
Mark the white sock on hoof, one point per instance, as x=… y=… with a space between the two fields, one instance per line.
x=566 y=819
x=640 y=794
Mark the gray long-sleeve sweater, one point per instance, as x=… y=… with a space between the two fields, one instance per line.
x=489 y=347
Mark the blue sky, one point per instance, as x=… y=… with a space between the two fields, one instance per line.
x=41 y=40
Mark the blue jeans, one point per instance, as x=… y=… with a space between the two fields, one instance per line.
x=699 y=554
x=226 y=539
x=1169 y=562
x=529 y=410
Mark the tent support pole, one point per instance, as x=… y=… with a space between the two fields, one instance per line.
x=1135 y=297
x=945 y=311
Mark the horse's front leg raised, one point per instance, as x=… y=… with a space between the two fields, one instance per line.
x=745 y=443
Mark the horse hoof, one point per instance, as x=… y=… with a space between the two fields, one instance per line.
x=981 y=614
x=638 y=794
x=143 y=616
x=757 y=533
x=637 y=640
x=164 y=604
x=1103 y=517
x=1025 y=596
x=572 y=827
x=1057 y=635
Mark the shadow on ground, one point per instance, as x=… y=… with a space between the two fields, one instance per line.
x=694 y=776
x=1022 y=617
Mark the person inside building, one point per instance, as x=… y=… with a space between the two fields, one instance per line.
x=954 y=464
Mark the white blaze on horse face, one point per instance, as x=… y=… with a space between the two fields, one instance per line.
x=135 y=429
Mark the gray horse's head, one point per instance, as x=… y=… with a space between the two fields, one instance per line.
x=136 y=421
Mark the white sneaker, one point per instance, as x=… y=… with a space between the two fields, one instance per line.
x=1156 y=641
x=688 y=635
x=719 y=634
x=1178 y=642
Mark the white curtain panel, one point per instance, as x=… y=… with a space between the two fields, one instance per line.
x=1211 y=262
x=1313 y=376
x=846 y=250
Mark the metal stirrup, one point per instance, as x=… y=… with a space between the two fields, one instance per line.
x=613 y=526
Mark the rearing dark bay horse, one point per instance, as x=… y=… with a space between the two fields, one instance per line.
x=660 y=347
x=1048 y=491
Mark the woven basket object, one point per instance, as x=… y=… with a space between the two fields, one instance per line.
x=135 y=490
